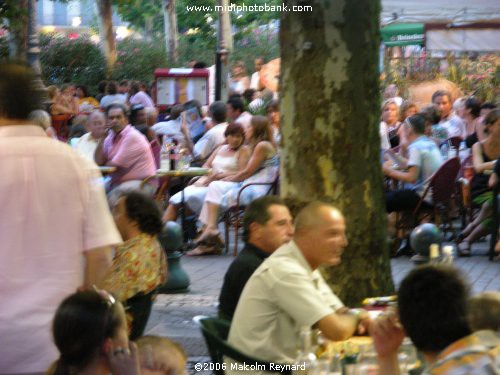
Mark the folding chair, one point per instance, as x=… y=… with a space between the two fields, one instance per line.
x=441 y=190
x=233 y=217
x=216 y=331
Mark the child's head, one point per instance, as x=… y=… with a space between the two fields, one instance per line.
x=484 y=311
x=161 y=356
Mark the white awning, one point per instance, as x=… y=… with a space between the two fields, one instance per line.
x=483 y=40
x=449 y=11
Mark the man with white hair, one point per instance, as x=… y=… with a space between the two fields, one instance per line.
x=96 y=127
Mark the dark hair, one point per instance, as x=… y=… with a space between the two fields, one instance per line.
x=144 y=211
x=83 y=321
x=218 y=111
x=116 y=105
x=102 y=86
x=439 y=93
x=176 y=111
x=236 y=103
x=431 y=114
x=432 y=303
x=84 y=89
x=234 y=128
x=199 y=65
x=256 y=212
x=133 y=113
x=19 y=95
x=111 y=88
x=417 y=123
x=124 y=82
x=474 y=105
x=488 y=105
x=248 y=95
x=492 y=117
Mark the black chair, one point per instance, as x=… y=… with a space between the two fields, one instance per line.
x=215 y=331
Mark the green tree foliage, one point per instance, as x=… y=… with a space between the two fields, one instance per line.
x=137 y=59
x=64 y=60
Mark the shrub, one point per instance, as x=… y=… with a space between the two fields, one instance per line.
x=138 y=59
x=78 y=61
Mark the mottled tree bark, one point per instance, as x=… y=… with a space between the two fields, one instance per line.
x=107 y=35
x=171 y=37
x=330 y=116
x=18 y=33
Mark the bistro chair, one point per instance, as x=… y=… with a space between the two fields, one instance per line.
x=440 y=188
x=233 y=217
x=453 y=142
x=215 y=332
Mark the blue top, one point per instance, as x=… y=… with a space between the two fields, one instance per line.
x=424 y=154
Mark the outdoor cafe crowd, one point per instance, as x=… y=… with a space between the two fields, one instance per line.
x=80 y=258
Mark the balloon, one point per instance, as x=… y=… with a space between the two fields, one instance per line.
x=424 y=236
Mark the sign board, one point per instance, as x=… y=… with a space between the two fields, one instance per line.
x=403 y=34
x=178 y=85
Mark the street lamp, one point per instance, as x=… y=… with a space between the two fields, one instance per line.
x=33 y=55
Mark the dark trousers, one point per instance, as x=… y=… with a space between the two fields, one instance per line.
x=401 y=200
x=139 y=307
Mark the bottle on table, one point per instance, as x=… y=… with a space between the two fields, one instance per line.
x=434 y=253
x=173 y=155
x=306 y=362
x=447 y=255
x=165 y=155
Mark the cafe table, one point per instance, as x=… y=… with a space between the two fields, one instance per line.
x=358 y=356
x=183 y=174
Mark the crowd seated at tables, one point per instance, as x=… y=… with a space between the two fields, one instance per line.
x=273 y=288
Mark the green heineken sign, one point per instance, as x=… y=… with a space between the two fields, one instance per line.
x=403 y=34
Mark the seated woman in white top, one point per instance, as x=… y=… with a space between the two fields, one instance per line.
x=227 y=160
x=263 y=166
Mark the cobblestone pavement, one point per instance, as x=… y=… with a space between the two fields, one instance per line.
x=173 y=314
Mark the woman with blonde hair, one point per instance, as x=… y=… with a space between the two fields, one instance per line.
x=42 y=118
x=263 y=166
x=391 y=132
x=239 y=79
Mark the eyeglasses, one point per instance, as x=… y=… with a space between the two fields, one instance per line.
x=106 y=296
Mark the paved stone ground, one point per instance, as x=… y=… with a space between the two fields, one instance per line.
x=172 y=314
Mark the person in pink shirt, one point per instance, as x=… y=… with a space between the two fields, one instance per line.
x=129 y=151
x=139 y=97
x=56 y=229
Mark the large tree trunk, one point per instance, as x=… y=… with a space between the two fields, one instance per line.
x=18 y=33
x=107 y=35
x=171 y=39
x=330 y=117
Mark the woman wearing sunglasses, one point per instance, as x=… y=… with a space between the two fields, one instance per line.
x=90 y=332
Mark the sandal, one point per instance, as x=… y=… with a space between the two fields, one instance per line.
x=210 y=238
x=464 y=249
x=205 y=250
